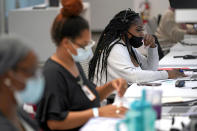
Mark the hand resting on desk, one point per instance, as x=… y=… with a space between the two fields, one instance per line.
x=172 y=74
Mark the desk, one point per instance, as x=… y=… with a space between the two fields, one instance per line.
x=108 y=124
x=181 y=47
x=170 y=92
x=134 y=92
x=169 y=61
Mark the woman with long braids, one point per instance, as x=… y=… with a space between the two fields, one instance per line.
x=116 y=57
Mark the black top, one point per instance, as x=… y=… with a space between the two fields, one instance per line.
x=63 y=93
x=6 y=125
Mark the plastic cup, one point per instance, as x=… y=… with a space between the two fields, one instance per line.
x=154 y=97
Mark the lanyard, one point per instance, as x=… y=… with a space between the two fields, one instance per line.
x=89 y=94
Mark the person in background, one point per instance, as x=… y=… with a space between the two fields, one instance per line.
x=115 y=55
x=169 y=32
x=70 y=99
x=18 y=65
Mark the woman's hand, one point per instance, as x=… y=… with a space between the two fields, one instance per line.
x=172 y=74
x=120 y=85
x=112 y=111
x=149 y=40
x=191 y=31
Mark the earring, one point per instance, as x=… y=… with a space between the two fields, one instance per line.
x=7 y=82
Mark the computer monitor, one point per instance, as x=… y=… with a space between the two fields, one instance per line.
x=183 y=4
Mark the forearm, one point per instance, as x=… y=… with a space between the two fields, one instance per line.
x=153 y=59
x=147 y=76
x=73 y=120
x=177 y=34
x=105 y=90
x=135 y=76
x=150 y=62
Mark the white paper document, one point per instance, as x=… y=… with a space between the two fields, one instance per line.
x=102 y=124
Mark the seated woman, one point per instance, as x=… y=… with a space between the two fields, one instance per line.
x=116 y=56
x=169 y=32
x=17 y=68
x=70 y=100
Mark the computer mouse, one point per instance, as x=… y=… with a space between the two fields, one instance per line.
x=180 y=83
x=174 y=129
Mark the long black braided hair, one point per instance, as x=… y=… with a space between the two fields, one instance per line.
x=115 y=30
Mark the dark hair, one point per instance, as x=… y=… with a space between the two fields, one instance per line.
x=13 y=49
x=70 y=27
x=68 y=23
x=115 y=30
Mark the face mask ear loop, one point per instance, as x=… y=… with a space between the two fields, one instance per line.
x=130 y=33
x=7 y=82
x=69 y=52
x=72 y=47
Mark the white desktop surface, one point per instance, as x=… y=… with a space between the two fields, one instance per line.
x=102 y=124
x=170 y=93
x=169 y=61
x=181 y=47
x=134 y=92
x=168 y=90
x=108 y=124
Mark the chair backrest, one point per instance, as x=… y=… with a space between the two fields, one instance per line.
x=158 y=19
x=152 y=24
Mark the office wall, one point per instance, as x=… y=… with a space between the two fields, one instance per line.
x=35 y=25
x=157 y=6
x=25 y=3
x=2 y=18
x=103 y=10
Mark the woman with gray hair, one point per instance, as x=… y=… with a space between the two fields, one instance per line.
x=18 y=85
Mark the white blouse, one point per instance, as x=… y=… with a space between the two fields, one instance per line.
x=119 y=65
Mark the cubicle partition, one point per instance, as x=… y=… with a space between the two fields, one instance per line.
x=35 y=24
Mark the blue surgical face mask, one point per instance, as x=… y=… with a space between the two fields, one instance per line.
x=32 y=92
x=83 y=53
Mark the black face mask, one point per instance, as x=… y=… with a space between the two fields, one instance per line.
x=136 y=42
